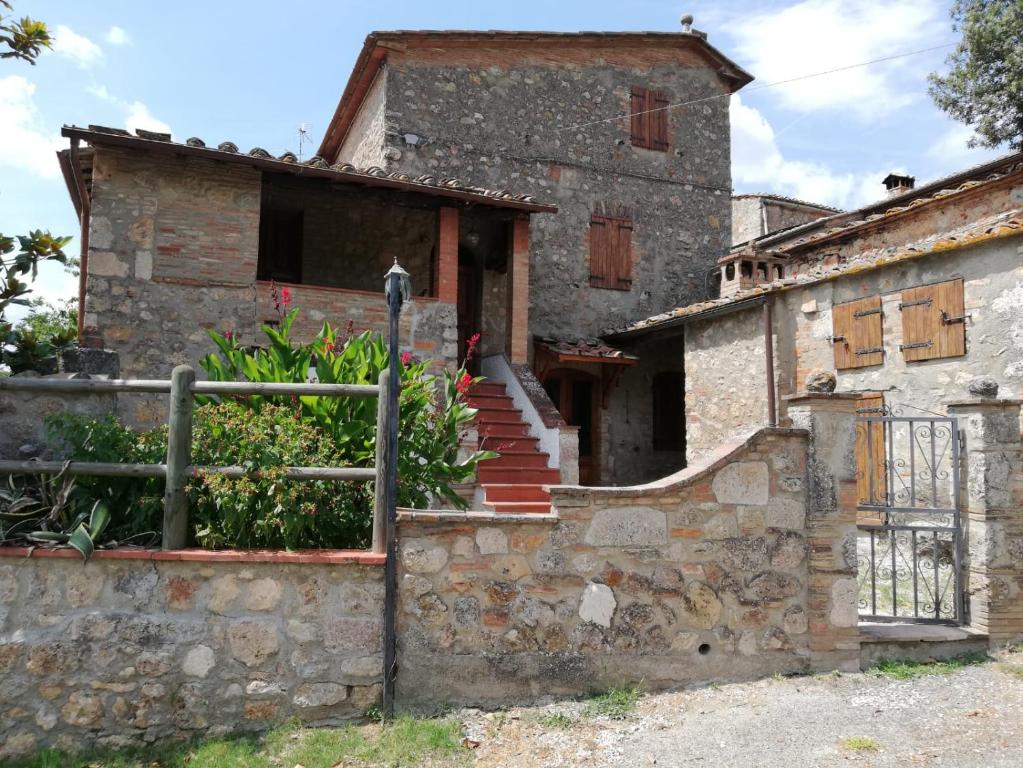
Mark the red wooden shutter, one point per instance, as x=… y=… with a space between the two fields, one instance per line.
x=640 y=125
x=658 y=130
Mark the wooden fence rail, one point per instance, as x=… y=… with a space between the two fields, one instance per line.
x=182 y=388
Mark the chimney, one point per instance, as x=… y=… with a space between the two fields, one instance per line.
x=687 y=23
x=897 y=183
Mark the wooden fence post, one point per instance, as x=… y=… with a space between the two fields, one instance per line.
x=382 y=457
x=179 y=457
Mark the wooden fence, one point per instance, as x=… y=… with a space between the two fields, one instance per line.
x=182 y=388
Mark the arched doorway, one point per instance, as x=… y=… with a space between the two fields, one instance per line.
x=577 y=396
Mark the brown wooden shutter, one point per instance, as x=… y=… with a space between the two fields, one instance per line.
x=857 y=333
x=601 y=232
x=637 y=108
x=933 y=321
x=623 y=255
x=871 y=477
x=658 y=131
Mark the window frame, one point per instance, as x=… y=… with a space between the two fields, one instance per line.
x=610 y=244
x=649 y=125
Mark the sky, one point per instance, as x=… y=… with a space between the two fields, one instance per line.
x=253 y=72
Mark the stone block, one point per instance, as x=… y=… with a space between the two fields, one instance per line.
x=492 y=541
x=253 y=641
x=597 y=604
x=628 y=527
x=786 y=513
x=742 y=482
x=198 y=661
x=422 y=556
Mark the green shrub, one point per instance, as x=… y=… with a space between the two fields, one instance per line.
x=265 y=509
x=431 y=418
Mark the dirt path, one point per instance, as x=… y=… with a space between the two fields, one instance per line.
x=972 y=717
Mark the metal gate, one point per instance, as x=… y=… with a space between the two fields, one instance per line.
x=909 y=548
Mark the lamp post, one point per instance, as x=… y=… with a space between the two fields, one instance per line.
x=397 y=290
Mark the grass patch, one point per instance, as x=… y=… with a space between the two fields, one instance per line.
x=860 y=744
x=404 y=743
x=903 y=669
x=614 y=703
x=557 y=720
x=1014 y=670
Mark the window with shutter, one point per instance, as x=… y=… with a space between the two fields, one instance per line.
x=857 y=333
x=611 y=252
x=668 y=414
x=649 y=118
x=933 y=321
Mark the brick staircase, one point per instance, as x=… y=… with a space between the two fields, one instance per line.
x=513 y=482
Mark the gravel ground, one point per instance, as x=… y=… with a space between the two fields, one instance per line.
x=971 y=717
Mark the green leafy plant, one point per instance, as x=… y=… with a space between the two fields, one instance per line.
x=21 y=256
x=431 y=418
x=265 y=509
x=907 y=669
x=614 y=703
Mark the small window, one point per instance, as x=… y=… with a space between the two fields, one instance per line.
x=668 y=412
x=856 y=333
x=649 y=111
x=280 y=245
x=611 y=252
x=933 y=321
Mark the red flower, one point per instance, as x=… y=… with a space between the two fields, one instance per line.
x=328 y=345
x=229 y=335
x=286 y=297
x=406 y=358
x=470 y=346
x=463 y=384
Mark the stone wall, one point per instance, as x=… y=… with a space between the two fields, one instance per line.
x=124 y=650
x=486 y=115
x=702 y=576
x=365 y=143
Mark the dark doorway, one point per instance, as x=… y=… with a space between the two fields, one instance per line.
x=577 y=396
x=469 y=289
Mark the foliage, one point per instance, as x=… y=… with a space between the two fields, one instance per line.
x=558 y=720
x=984 y=87
x=42 y=514
x=135 y=503
x=905 y=669
x=21 y=256
x=614 y=703
x=24 y=38
x=264 y=509
x=405 y=743
x=36 y=339
x=430 y=422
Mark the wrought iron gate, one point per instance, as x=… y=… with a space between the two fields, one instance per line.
x=909 y=548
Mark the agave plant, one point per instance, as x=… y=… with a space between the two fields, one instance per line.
x=38 y=513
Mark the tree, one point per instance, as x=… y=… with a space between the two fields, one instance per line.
x=984 y=87
x=24 y=40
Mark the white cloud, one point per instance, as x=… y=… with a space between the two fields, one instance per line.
x=117 y=36
x=77 y=48
x=24 y=143
x=758 y=165
x=139 y=116
x=817 y=35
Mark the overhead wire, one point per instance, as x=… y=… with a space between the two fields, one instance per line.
x=763 y=87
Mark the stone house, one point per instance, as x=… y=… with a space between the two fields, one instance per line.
x=755 y=215
x=906 y=301
x=644 y=203
x=182 y=238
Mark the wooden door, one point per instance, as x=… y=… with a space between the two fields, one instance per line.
x=871 y=465
x=468 y=312
x=577 y=397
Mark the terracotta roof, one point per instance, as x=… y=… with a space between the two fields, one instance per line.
x=805 y=235
x=315 y=166
x=374 y=52
x=1006 y=224
x=588 y=348
x=785 y=199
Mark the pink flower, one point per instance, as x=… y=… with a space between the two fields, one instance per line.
x=228 y=335
x=470 y=346
x=286 y=297
x=406 y=358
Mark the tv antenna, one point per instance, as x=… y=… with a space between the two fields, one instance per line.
x=303 y=137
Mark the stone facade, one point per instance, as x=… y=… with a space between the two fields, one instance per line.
x=726 y=391
x=487 y=114
x=123 y=650
x=756 y=215
x=706 y=575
